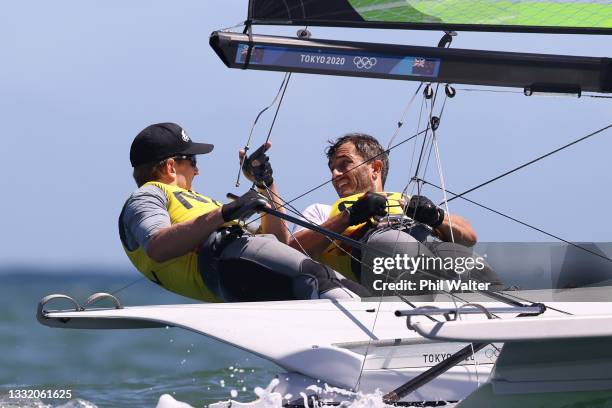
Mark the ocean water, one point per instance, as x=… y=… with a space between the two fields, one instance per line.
x=111 y=368
x=153 y=368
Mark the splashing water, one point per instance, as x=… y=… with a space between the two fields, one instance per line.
x=167 y=401
x=37 y=403
x=268 y=398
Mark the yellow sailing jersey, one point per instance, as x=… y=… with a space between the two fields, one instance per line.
x=337 y=255
x=181 y=274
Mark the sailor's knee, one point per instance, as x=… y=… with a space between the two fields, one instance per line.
x=317 y=270
x=313 y=278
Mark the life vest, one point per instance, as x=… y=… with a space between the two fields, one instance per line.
x=181 y=274
x=338 y=255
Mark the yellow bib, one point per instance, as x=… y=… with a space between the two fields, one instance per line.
x=337 y=255
x=179 y=275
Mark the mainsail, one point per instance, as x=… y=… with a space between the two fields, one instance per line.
x=570 y=16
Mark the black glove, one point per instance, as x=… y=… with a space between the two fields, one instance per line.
x=243 y=207
x=422 y=209
x=258 y=169
x=368 y=205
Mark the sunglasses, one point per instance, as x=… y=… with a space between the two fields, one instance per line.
x=191 y=158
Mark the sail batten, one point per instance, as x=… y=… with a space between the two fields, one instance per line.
x=553 y=16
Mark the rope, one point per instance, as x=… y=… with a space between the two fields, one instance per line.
x=351 y=169
x=532 y=161
x=279 y=93
x=128 y=285
x=521 y=222
x=280 y=102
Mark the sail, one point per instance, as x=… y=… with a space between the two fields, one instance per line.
x=554 y=16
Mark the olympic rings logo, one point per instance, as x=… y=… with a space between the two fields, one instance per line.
x=364 y=62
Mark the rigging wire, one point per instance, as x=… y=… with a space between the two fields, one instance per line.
x=351 y=169
x=414 y=149
x=280 y=102
x=435 y=147
x=520 y=222
x=460 y=195
x=431 y=144
x=434 y=141
x=247 y=146
x=421 y=153
x=415 y=142
x=295 y=211
x=547 y=306
x=400 y=123
x=137 y=280
x=281 y=93
x=292 y=209
x=395 y=291
x=226 y=29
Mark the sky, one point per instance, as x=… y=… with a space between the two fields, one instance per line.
x=79 y=79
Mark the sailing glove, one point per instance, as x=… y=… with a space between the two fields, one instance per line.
x=422 y=209
x=243 y=207
x=369 y=205
x=257 y=168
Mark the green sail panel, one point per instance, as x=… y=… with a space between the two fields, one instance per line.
x=572 y=16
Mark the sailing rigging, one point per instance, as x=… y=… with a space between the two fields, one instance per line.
x=534 y=73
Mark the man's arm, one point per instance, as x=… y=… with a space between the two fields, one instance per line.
x=422 y=209
x=313 y=243
x=186 y=236
x=146 y=218
x=178 y=239
x=271 y=224
x=257 y=168
x=462 y=230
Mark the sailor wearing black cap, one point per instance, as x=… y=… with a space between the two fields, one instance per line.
x=194 y=246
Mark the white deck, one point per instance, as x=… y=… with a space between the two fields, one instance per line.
x=333 y=340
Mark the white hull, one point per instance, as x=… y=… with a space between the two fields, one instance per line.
x=353 y=345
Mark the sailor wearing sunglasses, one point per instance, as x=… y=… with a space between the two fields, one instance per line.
x=195 y=246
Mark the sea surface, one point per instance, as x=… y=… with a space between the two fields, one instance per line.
x=111 y=368
x=135 y=368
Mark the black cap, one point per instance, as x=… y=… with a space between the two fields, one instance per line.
x=162 y=140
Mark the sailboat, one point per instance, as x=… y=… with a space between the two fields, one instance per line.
x=510 y=348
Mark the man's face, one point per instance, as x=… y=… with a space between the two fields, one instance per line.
x=185 y=172
x=361 y=179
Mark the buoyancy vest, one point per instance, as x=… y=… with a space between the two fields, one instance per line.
x=181 y=274
x=338 y=256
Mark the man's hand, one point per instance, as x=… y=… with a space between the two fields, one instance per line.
x=244 y=206
x=368 y=205
x=422 y=209
x=257 y=167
